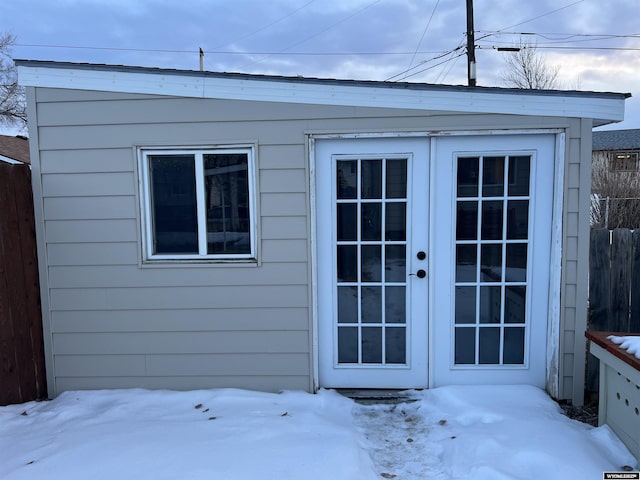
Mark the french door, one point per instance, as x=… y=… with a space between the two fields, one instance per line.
x=493 y=238
x=372 y=217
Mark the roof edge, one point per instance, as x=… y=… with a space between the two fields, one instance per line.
x=302 y=79
x=603 y=107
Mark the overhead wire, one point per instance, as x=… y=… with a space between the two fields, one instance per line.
x=423 y=33
x=306 y=39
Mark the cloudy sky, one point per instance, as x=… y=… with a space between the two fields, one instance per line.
x=595 y=43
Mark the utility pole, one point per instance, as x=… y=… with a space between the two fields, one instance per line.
x=471 y=47
x=201 y=60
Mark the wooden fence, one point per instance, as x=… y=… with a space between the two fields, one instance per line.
x=614 y=286
x=22 y=374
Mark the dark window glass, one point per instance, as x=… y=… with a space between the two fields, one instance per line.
x=490 y=304
x=347 y=304
x=395 y=345
x=465 y=346
x=371 y=179
x=226 y=177
x=492 y=220
x=347 y=263
x=468 y=168
x=516 y=262
x=489 y=346
x=371 y=221
x=371 y=263
x=517 y=219
x=493 y=177
x=395 y=263
x=514 y=346
x=515 y=304
x=395 y=305
x=395 y=222
x=347 y=179
x=173 y=204
x=465 y=305
x=396 y=178
x=466 y=263
x=347 y=222
x=491 y=262
x=347 y=344
x=372 y=345
x=371 y=305
x=519 y=168
x=467 y=221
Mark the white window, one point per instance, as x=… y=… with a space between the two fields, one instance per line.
x=198 y=204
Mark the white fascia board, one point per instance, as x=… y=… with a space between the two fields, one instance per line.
x=605 y=108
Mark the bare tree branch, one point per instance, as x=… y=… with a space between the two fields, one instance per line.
x=13 y=110
x=527 y=68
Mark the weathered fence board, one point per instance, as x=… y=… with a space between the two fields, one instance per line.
x=599 y=276
x=634 y=320
x=620 y=283
x=614 y=287
x=22 y=376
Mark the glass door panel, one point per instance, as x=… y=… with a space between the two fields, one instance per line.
x=371 y=242
x=492 y=240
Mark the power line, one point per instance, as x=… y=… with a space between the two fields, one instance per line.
x=444 y=54
x=219 y=52
x=560 y=47
x=423 y=34
x=544 y=14
x=324 y=30
x=567 y=35
x=268 y=25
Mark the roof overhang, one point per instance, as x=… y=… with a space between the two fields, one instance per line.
x=603 y=108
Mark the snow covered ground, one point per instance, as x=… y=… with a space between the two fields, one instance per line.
x=477 y=433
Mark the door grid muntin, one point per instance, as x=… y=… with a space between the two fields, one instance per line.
x=492 y=259
x=370 y=235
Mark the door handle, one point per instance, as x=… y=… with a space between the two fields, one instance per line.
x=420 y=274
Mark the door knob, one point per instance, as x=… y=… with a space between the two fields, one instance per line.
x=420 y=274
x=421 y=255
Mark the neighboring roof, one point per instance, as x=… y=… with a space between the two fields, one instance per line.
x=604 y=108
x=14 y=148
x=617 y=140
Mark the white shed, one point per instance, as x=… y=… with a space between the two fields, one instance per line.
x=200 y=229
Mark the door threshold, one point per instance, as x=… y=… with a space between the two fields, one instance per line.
x=369 y=396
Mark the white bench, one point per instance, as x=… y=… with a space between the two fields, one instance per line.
x=619 y=397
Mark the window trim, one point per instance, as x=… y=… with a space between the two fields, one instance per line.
x=146 y=220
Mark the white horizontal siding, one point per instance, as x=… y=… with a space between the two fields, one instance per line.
x=185 y=320
x=88 y=184
x=87 y=161
x=91 y=231
x=90 y=208
x=131 y=276
x=283 y=204
x=283 y=181
x=101 y=253
x=284 y=228
x=245 y=364
x=265 y=383
x=151 y=110
x=179 y=297
x=226 y=342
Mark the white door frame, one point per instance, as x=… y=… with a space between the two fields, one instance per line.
x=540 y=322
x=414 y=374
x=553 y=338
